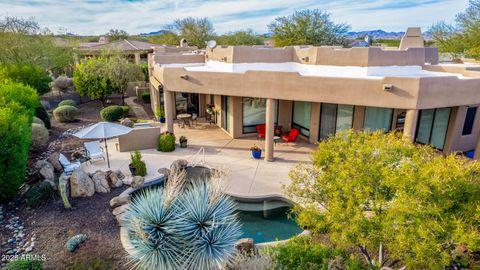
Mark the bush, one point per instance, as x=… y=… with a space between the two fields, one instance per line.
x=111 y=113
x=37 y=120
x=138 y=164
x=38 y=194
x=166 y=142
x=70 y=102
x=63 y=84
x=146 y=97
x=24 y=264
x=66 y=113
x=30 y=75
x=41 y=113
x=126 y=110
x=39 y=136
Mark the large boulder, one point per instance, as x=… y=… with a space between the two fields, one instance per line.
x=119 y=201
x=164 y=171
x=178 y=164
x=81 y=185
x=116 y=178
x=46 y=171
x=99 y=179
x=53 y=159
x=137 y=181
x=245 y=246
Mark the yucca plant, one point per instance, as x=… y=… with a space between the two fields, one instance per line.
x=184 y=225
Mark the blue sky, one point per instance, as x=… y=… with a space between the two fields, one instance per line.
x=135 y=16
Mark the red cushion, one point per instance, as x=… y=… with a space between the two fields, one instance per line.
x=261 y=130
x=292 y=135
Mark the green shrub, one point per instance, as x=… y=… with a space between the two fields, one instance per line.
x=66 y=113
x=146 y=97
x=39 y=136
x=126 y=110
x=17 y=106
x=111 y=113
x=24 y=264
x=38 y=194
x=302 y=253
x=37 y=120
x=138 y=164
x=70 y=102
x=41 y=113
x=166 y=142
x=30 y=75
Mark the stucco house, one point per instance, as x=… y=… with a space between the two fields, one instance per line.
x=323 y=90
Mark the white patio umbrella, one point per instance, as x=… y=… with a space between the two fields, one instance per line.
x=103 y=130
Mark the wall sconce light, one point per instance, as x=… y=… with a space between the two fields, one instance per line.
x=388 y=87
x=185 y=77
x=306 y=59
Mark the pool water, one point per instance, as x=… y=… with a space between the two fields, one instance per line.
x=267 y=221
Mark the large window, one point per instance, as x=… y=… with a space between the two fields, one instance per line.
x=254 y=110
x=226 y=113
x=432 y=127
x=378 y=119
x=301 y=117
x=335 y=118
x=469 y=120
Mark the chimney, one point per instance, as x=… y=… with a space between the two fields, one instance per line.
x=183 y=43
x=413 y=38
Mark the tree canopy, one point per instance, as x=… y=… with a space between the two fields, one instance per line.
x=121 y=72
x=116 y=34
x=91 y=79
x=307 y=27
x=242 y=37
x=375 y=191
x=196 y=30
x=30 y=75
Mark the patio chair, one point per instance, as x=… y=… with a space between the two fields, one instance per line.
x=291 y=136
x=94 y=151
x=194 y=118
x=68 y=167
x=260 y=131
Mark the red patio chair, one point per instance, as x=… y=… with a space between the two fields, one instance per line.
x=261 y=131
x=292 y=135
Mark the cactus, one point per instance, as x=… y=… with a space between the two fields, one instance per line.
x=62 y=189
x=75 y=241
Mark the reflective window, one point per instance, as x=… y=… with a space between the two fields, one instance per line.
x=469 y=120
x=301 y=117
x=335 y=118
x=377 y=118
x=432 y=127
x=254 y=110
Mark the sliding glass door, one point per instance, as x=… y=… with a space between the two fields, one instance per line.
x=335 y=118
x=253 y=113
x=432 y=127
x=226 y=113
x=377 y=118
x=301 y=117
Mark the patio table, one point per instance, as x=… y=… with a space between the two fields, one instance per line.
x=184 y=118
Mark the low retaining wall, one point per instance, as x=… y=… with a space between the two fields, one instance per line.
x=139 y=139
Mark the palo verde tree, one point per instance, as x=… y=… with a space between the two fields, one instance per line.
x=307 y=27
x=383 y=195
x=195 y=30
x=242 y=37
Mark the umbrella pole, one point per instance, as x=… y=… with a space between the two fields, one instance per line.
x=106 y=150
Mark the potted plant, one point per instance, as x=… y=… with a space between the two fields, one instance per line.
x=137 y=166
x=256 y=152
x=183 y=142
x=160 y=114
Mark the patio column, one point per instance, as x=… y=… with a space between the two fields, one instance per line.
x=410 y=125
x=137 y=58
x=168 y=105
x=269 y=128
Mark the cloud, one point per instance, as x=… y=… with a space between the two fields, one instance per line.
x=135 y=16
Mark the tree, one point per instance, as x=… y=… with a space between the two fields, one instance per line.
x=116 y=34
x=30 y=75
x=376 y=191
x=168 y=38
x=91 y=79
x=195 y=30
x=307 y=27
x=242 y=37
x=447 y=39
x=121 y=72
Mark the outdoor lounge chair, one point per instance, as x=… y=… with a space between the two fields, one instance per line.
x=68 y=167
x=94 y=151
x=261 y=131
x=291 y=136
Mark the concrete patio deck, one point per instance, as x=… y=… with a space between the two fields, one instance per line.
x=247 y=177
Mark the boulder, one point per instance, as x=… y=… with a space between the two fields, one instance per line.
x=99 y=179
x=116 y=178
x=127 y=122
x=245 y=246
x=164 y=171
x=137 y=181
x=178 y=164
x=119 y=201
x=53 y=159
x=47 y=172
x=81 y=185
x=63 y=188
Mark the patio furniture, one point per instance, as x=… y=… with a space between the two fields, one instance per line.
x=194 y=118
x=261 y=131
x=291 y=136
x=275 y=139
x=184 y=119
x=68 y=167
x=94 y=151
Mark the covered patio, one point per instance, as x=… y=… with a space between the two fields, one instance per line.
x=247 y=177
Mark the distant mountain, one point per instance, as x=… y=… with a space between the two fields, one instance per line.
x=380 y=34
x=155 y=33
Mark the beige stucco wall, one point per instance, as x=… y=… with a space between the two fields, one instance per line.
x=455 y=141
x=139 y=138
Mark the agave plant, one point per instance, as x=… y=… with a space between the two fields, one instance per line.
x=182 y=226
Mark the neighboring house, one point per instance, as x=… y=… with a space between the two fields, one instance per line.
x=136 y=50
x=323 y=90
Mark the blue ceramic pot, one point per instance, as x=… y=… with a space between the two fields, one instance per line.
x=257 y=154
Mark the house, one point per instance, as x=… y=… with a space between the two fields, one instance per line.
x=323 y=90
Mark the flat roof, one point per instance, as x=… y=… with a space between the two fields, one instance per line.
x=370 y=72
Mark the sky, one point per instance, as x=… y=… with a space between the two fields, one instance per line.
x=95 y=17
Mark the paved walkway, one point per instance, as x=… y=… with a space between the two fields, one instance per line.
x=137 y=109
x=247 y=177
